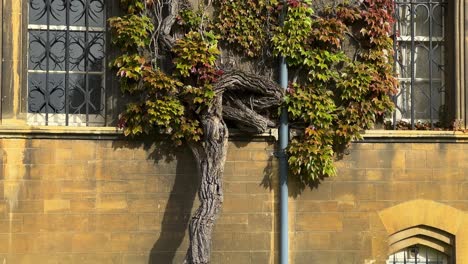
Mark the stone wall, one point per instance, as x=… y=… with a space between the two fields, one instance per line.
x=342 y=219
x=116 y=201
x=111 y=201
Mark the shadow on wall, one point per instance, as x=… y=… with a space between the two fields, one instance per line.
x=177 y=213
x=271 y=176
x=172 y=228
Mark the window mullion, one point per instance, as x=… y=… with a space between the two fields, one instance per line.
x=86 y=56
x=67 y=58
x=47 y=49
x=430 y=10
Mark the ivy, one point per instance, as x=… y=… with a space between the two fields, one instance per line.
x=333 y=95
x=246 y=25
x=342 y=93
x=131 y=31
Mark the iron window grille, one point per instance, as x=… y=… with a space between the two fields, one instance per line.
x=420 y=61
x=418 y=254
x=66 y=62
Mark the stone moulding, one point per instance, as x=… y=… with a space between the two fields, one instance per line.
x=428 y=223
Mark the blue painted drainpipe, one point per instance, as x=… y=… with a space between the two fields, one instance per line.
x=283 y=168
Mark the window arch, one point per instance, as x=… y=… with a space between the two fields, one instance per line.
x=421 y=244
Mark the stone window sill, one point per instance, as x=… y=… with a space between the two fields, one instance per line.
x=424 y=136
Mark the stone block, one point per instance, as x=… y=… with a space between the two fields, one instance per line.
x=449 y=174
x=350 y=240
x=231 y=257
x=84 y=150
x=120 y=242
x=248 y=204
x=55 y=242
x=11 y=226
x=346 y=191
x=396 y=191
x=260 y=222
x=261 y=241
x=379 y=174
x=82 y=205
x=262 y=257
x=144 y=241
x=316 y=206
x=112 y=204
x=262 y=155
x=71 y=186
x=28 y=206
x=116 y=222
x=51 y=206
x=320 y=193
x=150 y=222
x=63 y=154
x=144 y=206
x=238 y=155
x=112 y=186
x=90 y=242
x=41 y=156
x=319 y=222
x=94 y=258
x=409 y=174
x=353 y=221
x=307 y=257
x=304 y=241
x=415 y=159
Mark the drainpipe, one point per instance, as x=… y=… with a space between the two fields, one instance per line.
x=283 y=168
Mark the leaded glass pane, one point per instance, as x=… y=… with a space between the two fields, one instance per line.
x=37 y=50
x=37 y=12
x=96 y=52
x=96 y=13
x=58 y=12
x=47 y=93
x=77 y=13
x=83 y=99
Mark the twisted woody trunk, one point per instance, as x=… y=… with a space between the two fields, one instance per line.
x=234 y=90
x=210 y=156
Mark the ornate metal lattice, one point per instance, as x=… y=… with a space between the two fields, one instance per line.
x=420 y=60
x=66 y=62
x=418 y=254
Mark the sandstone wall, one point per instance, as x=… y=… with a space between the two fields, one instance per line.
x=116 y=201
x=111 y=201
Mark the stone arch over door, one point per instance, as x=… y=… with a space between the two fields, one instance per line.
x=413 y=216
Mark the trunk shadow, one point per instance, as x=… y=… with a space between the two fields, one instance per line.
x=177 y=213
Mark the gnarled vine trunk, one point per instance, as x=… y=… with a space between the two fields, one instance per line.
x=210 y=156
x=238 y=96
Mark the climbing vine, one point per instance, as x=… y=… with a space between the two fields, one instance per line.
x=334 y=95
x=341 y=80
x=247 y=25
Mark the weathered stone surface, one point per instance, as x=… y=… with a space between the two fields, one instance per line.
x=117 y=205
